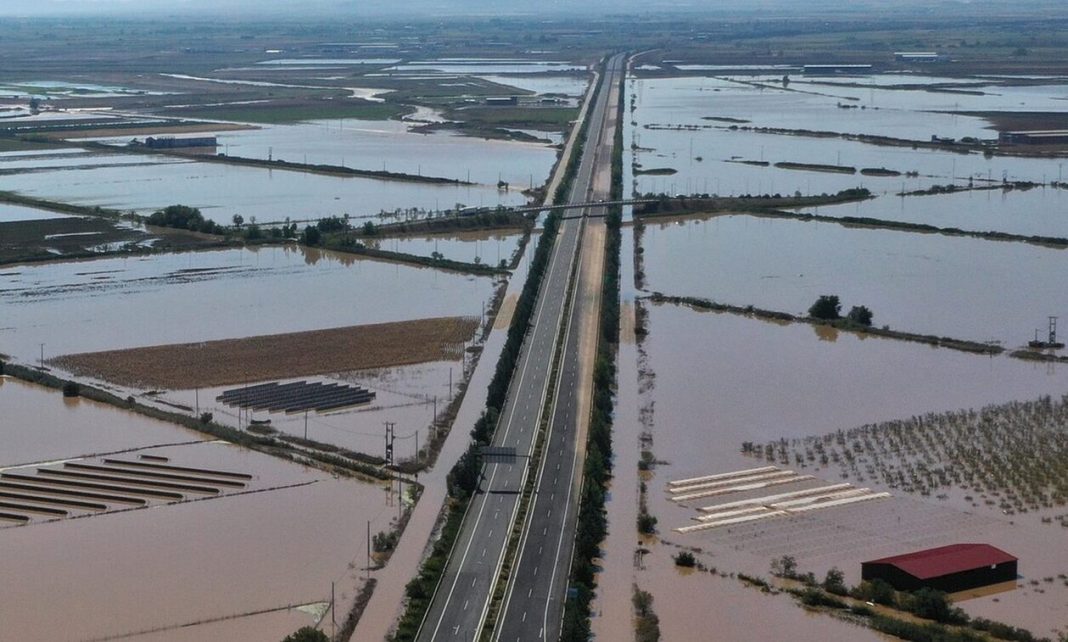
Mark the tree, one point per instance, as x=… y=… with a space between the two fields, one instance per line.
x=369 y=229
x=834 y=582
x=860 y=315
x=311 y=236
x=307 y=634
x=826 y=307
x=238 y=220
x=685 y=559
x=785 y=566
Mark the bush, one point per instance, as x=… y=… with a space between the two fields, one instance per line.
x=307 y=634
x=646 y=524
x=71 y=389
x=813 y=596
x=685 y=559
x=206 y=417
x=876 y=591
x=826 y=307
x=860 y=315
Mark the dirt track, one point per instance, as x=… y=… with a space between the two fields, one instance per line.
x=229 y=361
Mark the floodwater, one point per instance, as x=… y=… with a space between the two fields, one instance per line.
x=41 y=425
x=958 y=287
x=407 y=396
x=707 y=382
x=734 y=379
x=688 y=101
x=719 y=379
x=387 y=144
x=566 y=85
x=880 y=92
x=479 y=66
x=488 y=247
x=1033 y=212
x=221 y=190
x=14 y=213
x=283 y=546
x=86 y=306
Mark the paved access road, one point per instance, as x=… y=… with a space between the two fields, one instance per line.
x=459 y=609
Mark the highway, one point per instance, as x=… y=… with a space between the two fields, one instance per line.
x=534 y=602
x=461 y=603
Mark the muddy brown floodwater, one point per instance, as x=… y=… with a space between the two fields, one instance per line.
x=277 y=545
x=712 y=381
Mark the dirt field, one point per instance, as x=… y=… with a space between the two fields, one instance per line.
x=230 y=361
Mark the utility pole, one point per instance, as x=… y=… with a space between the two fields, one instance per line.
x=333 y=613
x=390 y=434
x=42 y=361
x=368 y=549
x=305 y=425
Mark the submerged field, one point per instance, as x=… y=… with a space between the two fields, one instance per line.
x=924 y=283
x=911 y=461
x=221 y=570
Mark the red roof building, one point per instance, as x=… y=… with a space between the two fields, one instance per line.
x=953 y=568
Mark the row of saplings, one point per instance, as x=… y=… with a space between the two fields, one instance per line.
x=925 y=603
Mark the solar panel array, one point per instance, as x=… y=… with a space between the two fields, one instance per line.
x=91 y=486
x=299 y=396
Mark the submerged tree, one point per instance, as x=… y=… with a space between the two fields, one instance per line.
x=860 y=315
x=826 y=307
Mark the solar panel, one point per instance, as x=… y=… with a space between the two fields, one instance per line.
x=300 y=396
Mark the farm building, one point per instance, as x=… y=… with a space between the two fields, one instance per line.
x=953 y=568
x=916 y=56
x=170 y=142
x=1037 y=137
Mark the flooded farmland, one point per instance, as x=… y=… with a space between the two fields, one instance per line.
x=924 y=283
x=489 y=247
x=220 y=191
x=225 y=567
x=674 y=125
x=700 y=399
x=707 y=383
x=389 y=145
x=1035 y=212
x=201 y=296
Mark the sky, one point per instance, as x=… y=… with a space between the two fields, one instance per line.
x=266 y=8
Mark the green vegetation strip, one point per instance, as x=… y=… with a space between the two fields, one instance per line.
x=665 y=205
x=840 y=324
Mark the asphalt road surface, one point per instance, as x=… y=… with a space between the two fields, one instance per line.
x=536 y=595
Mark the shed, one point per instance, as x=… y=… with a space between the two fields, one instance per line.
x=957 y=567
